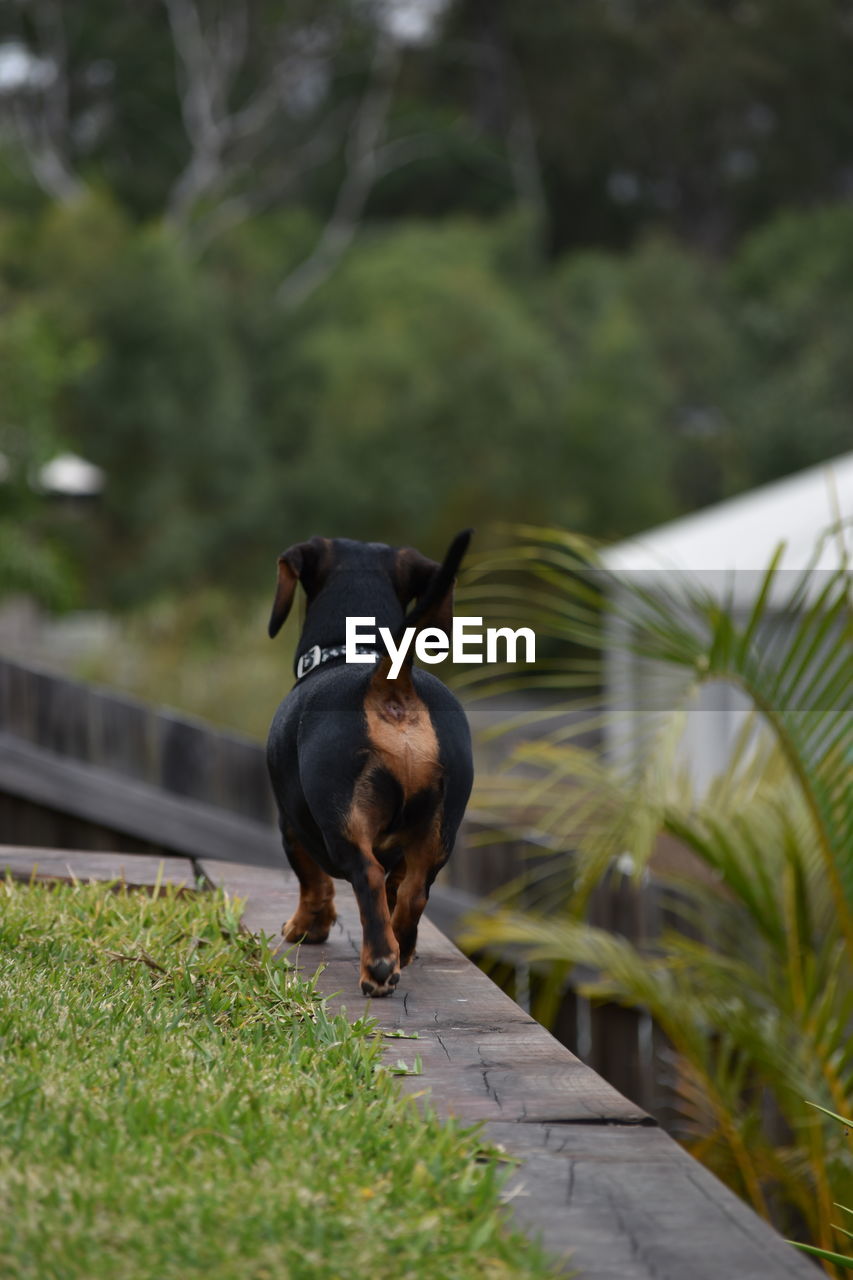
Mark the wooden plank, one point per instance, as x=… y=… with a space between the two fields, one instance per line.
x=242 y=779
x=188 y=758
x=134 y=808
x=487 y=1058
x=17 y=711
x=245 y=881
x=600 y=1184
x=156 y=745
x=61 y=715
x=630 y=1204
x=23 y=823
x=122 y=736
x=138 y=871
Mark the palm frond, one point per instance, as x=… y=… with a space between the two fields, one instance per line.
x=754 y=988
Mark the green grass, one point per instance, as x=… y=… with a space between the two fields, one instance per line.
x=176 y=1103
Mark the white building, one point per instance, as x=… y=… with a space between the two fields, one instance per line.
x=725 y=549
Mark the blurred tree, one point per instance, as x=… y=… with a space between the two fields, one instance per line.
x=201 y=164
x=201 y=111
x=792 y=285
x=35 y=365
x=602 y=120
x=437 y=378
x=420 y=392
x=650 y=368
x=702 y=117
x=163 y=411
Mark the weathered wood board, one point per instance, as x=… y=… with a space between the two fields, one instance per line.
x=600 y=1183
x=630 y=1204
x=137 y=871
x=135 y=808
x=102 y=727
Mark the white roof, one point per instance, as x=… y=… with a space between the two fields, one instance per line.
x=744 y=532
x=71 y=476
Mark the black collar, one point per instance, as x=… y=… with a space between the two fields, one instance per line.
x=315 y=657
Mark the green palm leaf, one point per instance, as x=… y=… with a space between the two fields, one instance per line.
x=754 y=991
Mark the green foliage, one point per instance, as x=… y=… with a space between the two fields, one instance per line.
x=418 y=372
x=632 y=126
x=35 y=366
x=179 y=1103
x=650 y=362
x=123 y=121
x=437 y=378
x=701 y=118
x=754 y=990
x=791 y=286
x=843 y=1260
x=164 y=412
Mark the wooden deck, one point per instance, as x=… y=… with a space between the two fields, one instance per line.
x=604 y=1188
x=137 y=871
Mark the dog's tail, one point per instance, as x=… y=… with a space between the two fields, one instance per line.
x=440 y=585
x=442 y=582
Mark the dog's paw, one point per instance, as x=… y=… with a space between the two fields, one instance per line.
x=296 y=930
x=380 y=977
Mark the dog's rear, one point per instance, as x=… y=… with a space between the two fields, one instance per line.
x=371 y=774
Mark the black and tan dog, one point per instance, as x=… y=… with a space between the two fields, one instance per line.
x=371 y=774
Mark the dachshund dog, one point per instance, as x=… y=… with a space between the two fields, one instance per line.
x=371 y=773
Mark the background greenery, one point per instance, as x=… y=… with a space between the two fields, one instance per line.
x=592 y=265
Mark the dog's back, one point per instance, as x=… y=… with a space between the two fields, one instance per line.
x=401 y=754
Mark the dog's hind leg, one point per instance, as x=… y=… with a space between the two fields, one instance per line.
x=423 y=862
x=392 y=884
x=316 y=913
x=380 y=955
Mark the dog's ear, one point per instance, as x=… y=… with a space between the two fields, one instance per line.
x=304 y=562
x=415 y=575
